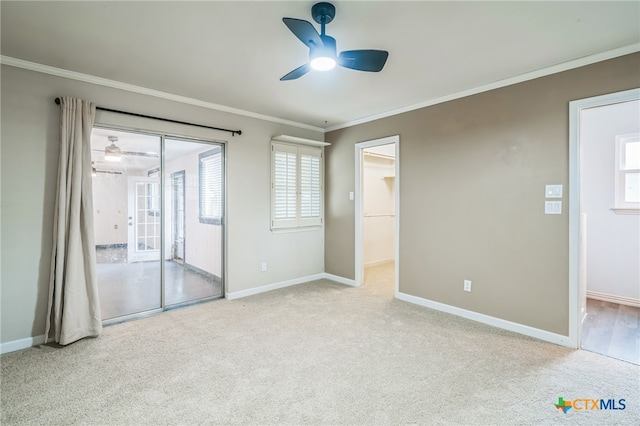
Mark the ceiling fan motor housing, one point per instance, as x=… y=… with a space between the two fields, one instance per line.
x=323 y=12
x=328 y=49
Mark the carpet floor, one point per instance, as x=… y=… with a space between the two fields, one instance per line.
x=315 y=353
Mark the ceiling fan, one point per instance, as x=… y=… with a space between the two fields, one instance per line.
x=114 y=153
x=322 y=48
x=95 y=171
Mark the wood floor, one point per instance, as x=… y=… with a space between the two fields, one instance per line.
x=612 y=330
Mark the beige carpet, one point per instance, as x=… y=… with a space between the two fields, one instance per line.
x=317 y=353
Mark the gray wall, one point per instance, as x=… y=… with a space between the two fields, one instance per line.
x=30 y=134
x=472 y=176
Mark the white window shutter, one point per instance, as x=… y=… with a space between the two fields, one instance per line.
x=310 y=186
x=296 y=186
x=284 y=186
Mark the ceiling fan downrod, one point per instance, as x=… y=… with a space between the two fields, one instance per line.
x=323 y=13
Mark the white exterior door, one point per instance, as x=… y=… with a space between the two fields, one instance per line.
x=143 y=219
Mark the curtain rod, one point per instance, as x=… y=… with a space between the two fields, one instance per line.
x=233 y=132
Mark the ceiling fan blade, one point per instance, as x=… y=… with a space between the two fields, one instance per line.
x=297 y=73
x=363 y=60
x=140 y=154
x=108 y=172
x=304 y=31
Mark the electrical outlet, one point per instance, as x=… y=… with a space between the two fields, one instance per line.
x=467 y=285
x=264 y=266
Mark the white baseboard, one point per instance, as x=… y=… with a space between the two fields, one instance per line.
x=489 y=320
x=288 y=283
x=16 y=345
x=621 y=300
x=378 y=262
x=274 y=286
x=341 y=280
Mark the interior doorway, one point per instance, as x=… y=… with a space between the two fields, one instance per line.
x=377 y=209
x=605 y=224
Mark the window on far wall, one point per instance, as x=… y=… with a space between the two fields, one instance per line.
x=210 y=194
x=153 y=193
x=627 y=192
x=296 y=186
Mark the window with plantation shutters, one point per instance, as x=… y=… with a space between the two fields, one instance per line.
x=211 y=186
x=296 y=186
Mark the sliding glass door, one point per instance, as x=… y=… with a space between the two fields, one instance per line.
x=194 y=176
x=158 y=209
x=126 y=221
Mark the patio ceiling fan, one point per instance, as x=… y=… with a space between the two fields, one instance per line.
x=322 y=48
x=113 y=152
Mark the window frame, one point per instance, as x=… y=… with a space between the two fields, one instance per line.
x=620 y=204
x=202 y=218
x=314 y=149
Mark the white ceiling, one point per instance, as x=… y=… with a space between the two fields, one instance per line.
x=233 y=53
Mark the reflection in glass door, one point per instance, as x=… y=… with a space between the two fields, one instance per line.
x=156 y=234
x=127 y=221
x=193 y=267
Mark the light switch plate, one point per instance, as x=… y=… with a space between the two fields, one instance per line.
x=553 y=191
x=553 y=207
x=351 y=196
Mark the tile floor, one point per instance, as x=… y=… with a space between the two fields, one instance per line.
x=129 y=288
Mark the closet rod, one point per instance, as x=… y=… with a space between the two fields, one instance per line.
x=233 y=132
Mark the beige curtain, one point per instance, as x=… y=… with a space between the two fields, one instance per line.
x=74 y=307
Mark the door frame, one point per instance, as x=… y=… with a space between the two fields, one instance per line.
x=577 y=284
x=205 y=140
x=359 y=220
x=174 y=216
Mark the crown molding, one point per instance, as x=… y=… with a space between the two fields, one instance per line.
x=87 y=78
x=565 y=66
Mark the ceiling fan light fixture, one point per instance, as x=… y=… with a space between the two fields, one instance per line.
x=323 y=63
x=322 y=48
x=323 y=58
x=112 y=155
x=112 y=152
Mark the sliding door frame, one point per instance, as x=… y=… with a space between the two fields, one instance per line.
x=223 y=222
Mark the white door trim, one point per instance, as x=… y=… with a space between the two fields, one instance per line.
x=359 y=254
x=575 y=110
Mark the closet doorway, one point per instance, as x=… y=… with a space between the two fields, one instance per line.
x=377 y=202
x=158 y=221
